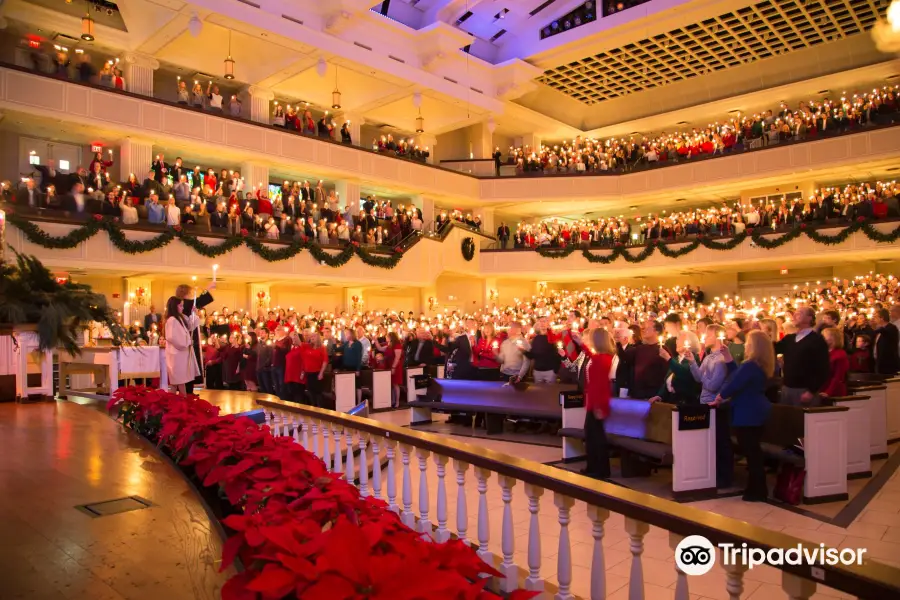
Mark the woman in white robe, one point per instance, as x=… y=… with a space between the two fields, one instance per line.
x=181 y=363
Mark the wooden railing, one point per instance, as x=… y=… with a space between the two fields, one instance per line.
x=372 y=449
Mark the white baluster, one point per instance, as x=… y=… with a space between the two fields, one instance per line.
x=391 y=476
x=636 y=530
x=376 y=468
x=797 y=588
x=406 y=515
x=734 y=580
x=442 y=534
x=295 y=423
x=363 y=466
x=462 y=514
x=268 y=416
x=681 y=581
x=598 y=517
x=304 y=436
x=317 y=439
x=424 y=525
x=350 y=474
x=564 y=556
x=326 y=454
x=338 y=465
x=276 y=419
x=534 y=582
x=484 y=529
x=507 y=537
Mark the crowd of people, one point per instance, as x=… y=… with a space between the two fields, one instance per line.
x=218 y=201
x=809 y=120
x=663 y=345
x=833 y=205
x=401 y=148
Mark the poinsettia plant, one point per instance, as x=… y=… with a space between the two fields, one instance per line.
x=299 y=530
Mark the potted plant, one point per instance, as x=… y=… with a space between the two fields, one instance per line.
x=40 y=313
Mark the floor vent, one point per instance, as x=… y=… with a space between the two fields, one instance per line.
x=114 y=507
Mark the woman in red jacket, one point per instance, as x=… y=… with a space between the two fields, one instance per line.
x=314 y=358
x=394 y=358
x=838 y=361
x=601 y=349
x=294 y=377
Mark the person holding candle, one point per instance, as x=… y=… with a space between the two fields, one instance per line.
x=182 y=292
x=648 y=365
x=182 y=364
x=745 y=392
x=805 y=361
x=486 y=350
x=545 y=354
x=600 y=349
x=680 y=386
x=421 y=352
x=839 y=363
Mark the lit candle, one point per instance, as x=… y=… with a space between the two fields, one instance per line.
x=215 y=268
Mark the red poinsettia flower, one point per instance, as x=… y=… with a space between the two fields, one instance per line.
x=244 y=232
x=98 y=217
x=860 y=219
x=177 y=228
x=802 y=225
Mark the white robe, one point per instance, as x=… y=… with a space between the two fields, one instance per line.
x=181 y=363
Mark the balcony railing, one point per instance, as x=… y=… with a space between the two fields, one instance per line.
x=360 y=447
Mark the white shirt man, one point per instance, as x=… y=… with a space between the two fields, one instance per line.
x=173 y=214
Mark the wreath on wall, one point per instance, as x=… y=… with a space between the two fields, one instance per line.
x=468 y=248
x=36 y=235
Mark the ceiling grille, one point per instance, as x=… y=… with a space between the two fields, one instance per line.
x=752 y=33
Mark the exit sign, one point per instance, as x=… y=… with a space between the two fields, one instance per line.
x=96 y=148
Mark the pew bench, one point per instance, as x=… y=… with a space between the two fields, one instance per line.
x=650 y=435
x=859 y=433
x=824 y=430
x=884 y=393
x=493 y=398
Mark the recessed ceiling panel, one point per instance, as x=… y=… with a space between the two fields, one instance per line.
x=763 y=30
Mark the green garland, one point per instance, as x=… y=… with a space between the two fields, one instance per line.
x=767 y=243
x=38 y=236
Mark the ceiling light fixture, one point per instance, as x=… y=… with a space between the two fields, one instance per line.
x=336 y=94
x=87 y=26
x=229 y=62
x=420 y=123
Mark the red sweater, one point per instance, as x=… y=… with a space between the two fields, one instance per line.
x=839 y=365
x=293 y=366
x=313 y=358
x=596 y=386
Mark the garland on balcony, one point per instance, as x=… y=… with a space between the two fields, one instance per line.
x=114 y=229
x=468 y=248
x=299 y=530
x=758 y=238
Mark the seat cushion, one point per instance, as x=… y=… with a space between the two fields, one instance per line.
x=782 y=455
x=659 y=452
x=572 y=432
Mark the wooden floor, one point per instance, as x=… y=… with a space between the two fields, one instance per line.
x=54 y=456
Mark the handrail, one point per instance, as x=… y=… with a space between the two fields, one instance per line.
x=869 y=580
x=250 y=122
x=766 y=232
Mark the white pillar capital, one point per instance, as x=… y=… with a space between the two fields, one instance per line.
x=140 y=60
x=262 y=93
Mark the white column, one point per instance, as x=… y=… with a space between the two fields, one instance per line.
x=138 y=73
x=462 y=514
x=484 y=528
x=424 y=525
x=348 y=191
x=487 y=220
x=406 y=515
x=135 y=156
x=681 y=581
x=391 y=476
x=427 y=142
x=534 y=583
x=507 y=537
x=442 y=534
x=260 y=101
x=427 y=205
x=564 y=555
x=254 y=174
x=376 y=468
x=350 y=471
x=636 y=530
x=355 y=123
x=531 y=141
x=326 y=453
x=480 y=140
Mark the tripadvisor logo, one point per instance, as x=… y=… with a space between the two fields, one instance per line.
x=696 y=555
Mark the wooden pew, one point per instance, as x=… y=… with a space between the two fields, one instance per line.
x=344 y=387
x=859 y=433
x=378 y=382
x=411 y=392
x=891 y=400
x=824 y=430
x=649 y=434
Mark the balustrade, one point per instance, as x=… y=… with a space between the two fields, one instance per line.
x=640 y=511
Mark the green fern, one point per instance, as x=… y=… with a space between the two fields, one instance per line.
x=30 y=294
